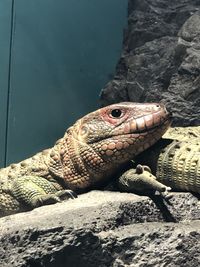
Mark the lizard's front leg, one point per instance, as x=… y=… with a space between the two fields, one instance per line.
x=34 y=191
x=140 y=180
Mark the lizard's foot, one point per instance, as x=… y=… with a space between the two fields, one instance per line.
x=166 y=194
x=35 y=191
x=66 y=194
x=59 y=196
x=141 y=180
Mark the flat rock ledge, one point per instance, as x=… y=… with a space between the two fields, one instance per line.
x=103 y=228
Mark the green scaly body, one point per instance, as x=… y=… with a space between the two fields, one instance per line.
x=89 y=154
x=95 y=147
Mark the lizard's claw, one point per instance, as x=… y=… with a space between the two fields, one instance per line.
x=141 y=168
x=165 y=194
x=52 y=198
x=65 y=194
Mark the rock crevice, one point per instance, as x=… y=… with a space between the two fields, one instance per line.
x=103 y=228
x=160 y=59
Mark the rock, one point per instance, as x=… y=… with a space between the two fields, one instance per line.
x=103 y=228
x=160 y=59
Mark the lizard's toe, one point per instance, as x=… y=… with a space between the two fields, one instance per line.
x=45 y=200
x=166 y=195
x=65 y=194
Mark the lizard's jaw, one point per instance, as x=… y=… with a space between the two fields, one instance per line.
x=126 y=146
x=144 y=123
x=136 y=136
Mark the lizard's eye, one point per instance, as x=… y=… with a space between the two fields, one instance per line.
x=116 y=113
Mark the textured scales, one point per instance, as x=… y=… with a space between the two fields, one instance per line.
x=178 y=164
x=99 y=143
x=174 y=163
x=89 y=153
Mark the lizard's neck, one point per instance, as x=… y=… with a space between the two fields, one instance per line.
x=77 y=163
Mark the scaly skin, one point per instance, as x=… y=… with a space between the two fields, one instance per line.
x=174 y=162
x=178 y=164
x=89 y=153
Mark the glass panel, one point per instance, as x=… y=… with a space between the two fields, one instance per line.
x=5 y=33
x=63 y=53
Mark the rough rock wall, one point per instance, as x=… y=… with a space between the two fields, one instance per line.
x=104 y=229
x=161 y=58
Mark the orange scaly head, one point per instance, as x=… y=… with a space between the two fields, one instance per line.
x=126 y=127
x=103 y=140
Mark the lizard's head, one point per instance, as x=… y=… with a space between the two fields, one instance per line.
x=120 y=131
x=103 y=140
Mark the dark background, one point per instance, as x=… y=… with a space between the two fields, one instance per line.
x=55 y=56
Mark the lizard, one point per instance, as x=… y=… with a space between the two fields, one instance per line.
x=89 y=154
x=174 y=161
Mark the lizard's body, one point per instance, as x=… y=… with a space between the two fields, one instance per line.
x=89 y=153
x=175 y=159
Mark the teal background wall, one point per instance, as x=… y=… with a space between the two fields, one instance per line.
x=55 y=58
x=5 y=45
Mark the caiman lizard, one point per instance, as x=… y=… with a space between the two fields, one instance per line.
x=95 y=148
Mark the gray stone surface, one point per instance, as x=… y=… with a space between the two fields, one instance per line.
x=104 y=229
x=161 y=58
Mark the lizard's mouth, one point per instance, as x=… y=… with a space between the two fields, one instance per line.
x=145 y=124
x=156 y=122
x=131 y=144
x=157 y=129
x=165 y=122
